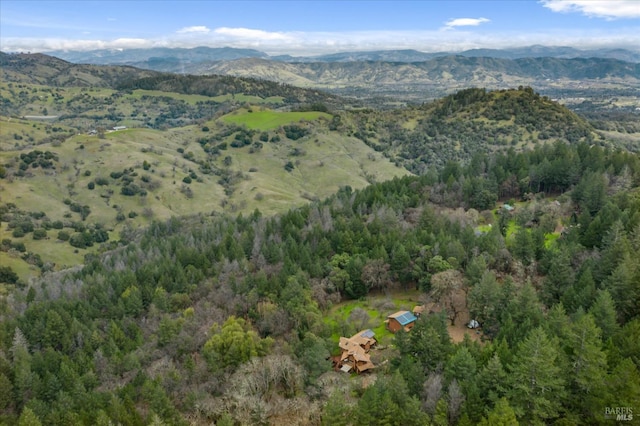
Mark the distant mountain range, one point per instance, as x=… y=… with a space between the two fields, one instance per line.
x=402 y=74
x=208 y=54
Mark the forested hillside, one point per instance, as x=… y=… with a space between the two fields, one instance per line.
x=227 y=319
x=468 y=122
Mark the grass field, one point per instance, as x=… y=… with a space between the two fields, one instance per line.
x=268 y=119
x=377 y=306
x=324 y=161
x=249 y=99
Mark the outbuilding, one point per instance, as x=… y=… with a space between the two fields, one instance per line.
x=400 y=320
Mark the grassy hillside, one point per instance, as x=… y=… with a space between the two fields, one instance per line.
x=418 y=80
x=43 y=69
x=128 y=178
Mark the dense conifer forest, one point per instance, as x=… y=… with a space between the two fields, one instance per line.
x=223 y=320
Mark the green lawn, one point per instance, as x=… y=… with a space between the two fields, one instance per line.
x=378 y=307
x=269 y=119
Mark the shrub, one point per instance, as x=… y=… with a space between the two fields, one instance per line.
x=7 y=275
x=81 y=239
x=130 y=189
x=63 y=236
x=91 y=185
x=39 y=234
x=19 y=246
x=294 y=132
x=186 y=179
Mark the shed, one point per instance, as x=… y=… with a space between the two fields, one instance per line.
x=400 y=320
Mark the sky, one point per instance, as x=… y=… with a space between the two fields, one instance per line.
x=306 y=27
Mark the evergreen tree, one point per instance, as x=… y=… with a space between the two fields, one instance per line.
x=428 y=342
x=493 y=380
x=624 y=286
x=484 y=301
x=604 y=314
x=581 y=294
x=336 y=412
x=501 y=415
x=387 y=402
x=559 y=279
x=589 y=368
x=538 y=390
x=29 y=418
x=523 y=247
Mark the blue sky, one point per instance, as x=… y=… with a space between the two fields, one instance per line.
x=316 y=27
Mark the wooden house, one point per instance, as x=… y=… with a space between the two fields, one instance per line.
x=355 y=352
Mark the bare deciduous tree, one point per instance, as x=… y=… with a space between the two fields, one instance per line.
x=444 y=290
x=375 y=274
x=431 y=392
x=456 y=399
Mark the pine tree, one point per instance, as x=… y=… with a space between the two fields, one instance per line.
x=604 y=314
x=336 y=412
x=588 y=366
x=501 y=415
x=493 y=380
x=28 y=418
x=484 y=302
x=559 y=279
x=538 y=390
x=624 y=286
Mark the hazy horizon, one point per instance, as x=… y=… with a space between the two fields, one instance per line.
x=318 y=27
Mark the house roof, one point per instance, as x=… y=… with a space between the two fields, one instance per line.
x=403 y=317
x=368 y=333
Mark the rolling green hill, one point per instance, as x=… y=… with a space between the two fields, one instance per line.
x=189 y=145
x=124 y=179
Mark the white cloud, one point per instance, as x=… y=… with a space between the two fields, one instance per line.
x=40 y=45
x=315 y=43
x=197 y=29
x=247 y=33
x=608 y=9
x=465 y=22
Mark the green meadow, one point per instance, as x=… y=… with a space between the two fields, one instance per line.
x=268 y=119
x=377 y=308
